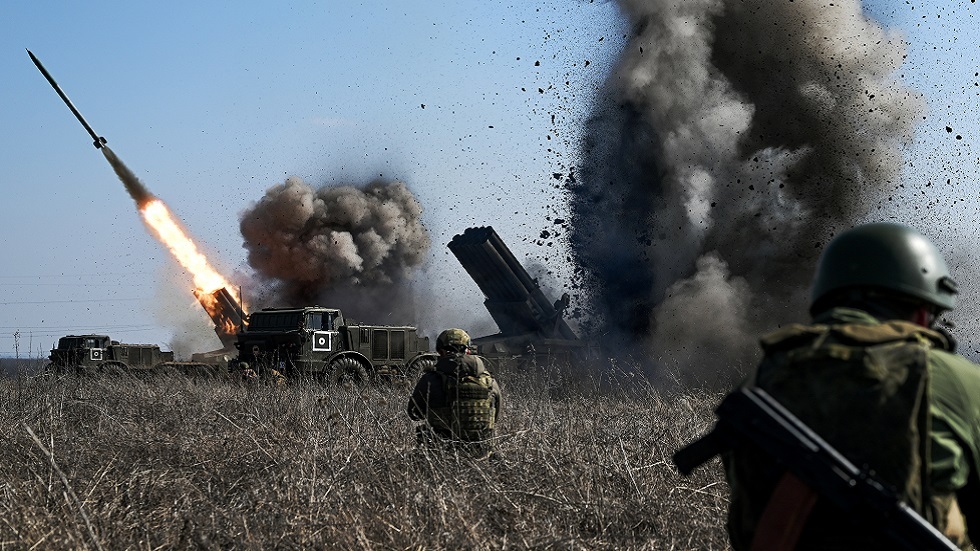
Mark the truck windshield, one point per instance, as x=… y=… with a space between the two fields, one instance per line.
x=320 y=321
x=67 y=343
x=279 y=321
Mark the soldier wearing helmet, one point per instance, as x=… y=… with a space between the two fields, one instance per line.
x=874 y=376
x=452 y=340
x=458 y=400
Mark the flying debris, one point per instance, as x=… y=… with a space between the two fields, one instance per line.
x=99 y=140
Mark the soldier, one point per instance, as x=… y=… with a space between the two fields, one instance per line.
x=250 y=377
x=459 y=400
x=857 y=375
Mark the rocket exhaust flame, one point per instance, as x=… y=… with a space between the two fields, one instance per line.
x=206 y=278
x=156 y=215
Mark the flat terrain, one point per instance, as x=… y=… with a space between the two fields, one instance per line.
x=121 y=463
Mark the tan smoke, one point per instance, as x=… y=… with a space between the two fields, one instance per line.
x=355 y=247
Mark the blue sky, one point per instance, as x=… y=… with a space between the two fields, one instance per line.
x=210 y=103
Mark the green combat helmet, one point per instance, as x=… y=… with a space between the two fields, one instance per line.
x=453 y=339
x=885 y=256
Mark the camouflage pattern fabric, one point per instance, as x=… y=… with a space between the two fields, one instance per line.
x=468 y=413
x=452 y=339
x=886 y=395
x=459 y=400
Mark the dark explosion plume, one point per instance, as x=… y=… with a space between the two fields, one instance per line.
x=732 y=141
x=352 y=247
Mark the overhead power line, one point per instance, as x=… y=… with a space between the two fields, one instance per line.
x=29 y=328
x=107 y=299
x=53 y=276
x=61 y=284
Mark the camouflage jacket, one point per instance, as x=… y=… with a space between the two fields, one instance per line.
x=429 y=391
x=954 y=426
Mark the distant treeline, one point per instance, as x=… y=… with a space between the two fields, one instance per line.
x=10 y=367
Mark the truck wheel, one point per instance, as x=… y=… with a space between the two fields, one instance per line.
x=114 y=369
x=346 y=370
x=419 y=365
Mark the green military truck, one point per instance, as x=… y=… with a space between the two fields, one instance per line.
x=89 y=354
x=92 y=353
x=319 y=343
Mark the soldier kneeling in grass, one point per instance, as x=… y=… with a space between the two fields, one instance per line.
x=459 y=400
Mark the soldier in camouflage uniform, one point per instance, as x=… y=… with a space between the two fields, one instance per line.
x=878 y=291
x=459 y=400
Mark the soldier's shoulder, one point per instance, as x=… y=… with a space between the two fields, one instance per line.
x=485 y=366
x=944 y=357
x=955 y=369
x=473 y=360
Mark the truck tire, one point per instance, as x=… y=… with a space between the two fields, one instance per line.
x=420 y=364
x=114 y=369
x=346 y=370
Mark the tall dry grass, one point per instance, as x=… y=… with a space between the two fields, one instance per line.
x=122 y=463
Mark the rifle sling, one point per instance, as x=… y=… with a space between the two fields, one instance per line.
x=785 y=515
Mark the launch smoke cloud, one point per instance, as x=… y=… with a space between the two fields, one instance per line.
x=353 y=247
x=732 y=141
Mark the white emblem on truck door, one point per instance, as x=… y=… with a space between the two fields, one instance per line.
x=322 y=340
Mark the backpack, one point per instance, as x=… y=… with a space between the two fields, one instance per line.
x=864 y=389
x=469 y=412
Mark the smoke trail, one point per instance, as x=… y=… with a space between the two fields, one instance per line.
x=351 y=247
x=733 y=140
x=134 y=186
x=168 y=231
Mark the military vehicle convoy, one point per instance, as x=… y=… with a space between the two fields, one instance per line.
x=314 y=342
x=320 y=343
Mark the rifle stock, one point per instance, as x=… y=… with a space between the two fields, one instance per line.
x=750 y=415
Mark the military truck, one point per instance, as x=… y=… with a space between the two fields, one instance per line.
x=319 y=343
x=92 y=353
x=88 y=354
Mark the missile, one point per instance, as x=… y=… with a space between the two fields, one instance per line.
x=99 y=140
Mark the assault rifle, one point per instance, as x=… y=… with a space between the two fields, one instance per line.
x=750 y=415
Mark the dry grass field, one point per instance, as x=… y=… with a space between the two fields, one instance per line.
x=175 y=463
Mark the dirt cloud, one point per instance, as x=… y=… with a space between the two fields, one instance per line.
x=731 y=142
